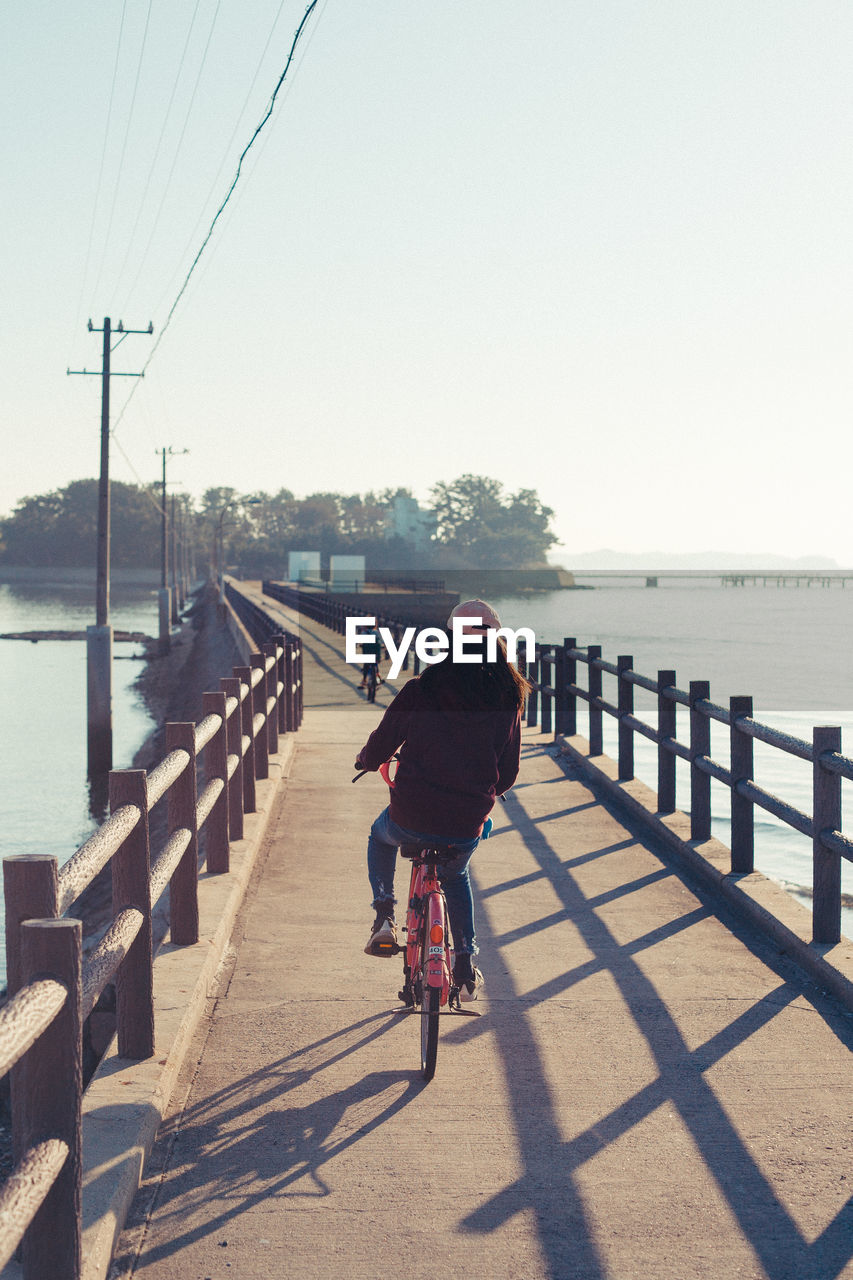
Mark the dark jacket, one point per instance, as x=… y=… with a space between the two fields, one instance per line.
x=453 y=764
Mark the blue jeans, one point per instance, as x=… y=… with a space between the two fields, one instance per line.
x=385 y=839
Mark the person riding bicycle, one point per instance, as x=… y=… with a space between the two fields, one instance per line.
x=457 y=729
x=371 y=651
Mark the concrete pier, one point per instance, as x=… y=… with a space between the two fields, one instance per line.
x=646 y=1089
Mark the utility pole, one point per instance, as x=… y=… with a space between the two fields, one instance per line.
x=165 y=595
x=99 y=638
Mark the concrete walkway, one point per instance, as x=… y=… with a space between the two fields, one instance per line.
x=647 y=1090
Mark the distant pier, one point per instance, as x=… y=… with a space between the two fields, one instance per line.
x=733 y=578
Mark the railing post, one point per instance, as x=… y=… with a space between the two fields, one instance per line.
x=596 y=736
x=300 y=688
x=743 y=810
x=270 y=650
x=131 y=878
x=52 y=1086
x=570 y=671
x=259 y=707
x=826 y=906
x=626 y=708
x=247 y=702
x=216 y=843
x=280 y=641
x=289 y=717
x=667 y=709
x=183 y=814
x=700 y=745
x=31 y=891
x=533 y=675
x=547 y=702
x=230 y=686
x=560 y=695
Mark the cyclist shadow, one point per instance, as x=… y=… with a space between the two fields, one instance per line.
x=252 y=1140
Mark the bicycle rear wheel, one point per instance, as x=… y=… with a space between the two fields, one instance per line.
x=429 y=1030
x=371 y=686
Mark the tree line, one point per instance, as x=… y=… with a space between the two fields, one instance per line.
x=475 y=522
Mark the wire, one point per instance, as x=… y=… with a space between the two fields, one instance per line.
x=124 y=144
x=311 y=7
x=100 y=170
x=225 y=154
x=157 y=153
x=145 y=486
x=232 y=213
x=180 y=144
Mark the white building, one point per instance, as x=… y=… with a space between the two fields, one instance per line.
x=406 y=519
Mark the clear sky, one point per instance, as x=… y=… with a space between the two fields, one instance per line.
x=597 y=248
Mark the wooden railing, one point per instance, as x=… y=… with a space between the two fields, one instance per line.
x=334 y=613
x=552 y=704
x=52 y=989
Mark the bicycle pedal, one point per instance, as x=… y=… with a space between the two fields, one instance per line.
x=385 y=950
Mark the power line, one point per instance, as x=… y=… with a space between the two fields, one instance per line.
x=225 y=155
x=156 y=155
x=124 y=144
x=101 y=168
x=311 y=7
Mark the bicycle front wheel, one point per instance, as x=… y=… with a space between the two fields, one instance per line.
x=429 y=1030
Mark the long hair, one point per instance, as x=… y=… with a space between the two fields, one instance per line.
x=479 y=685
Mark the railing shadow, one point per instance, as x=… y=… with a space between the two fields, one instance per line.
x=265 y=1149
x=550 y=1185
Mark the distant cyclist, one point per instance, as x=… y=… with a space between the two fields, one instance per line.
x=457 y=729
x=371 y=649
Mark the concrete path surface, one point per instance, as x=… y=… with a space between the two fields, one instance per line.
x=646 y=1089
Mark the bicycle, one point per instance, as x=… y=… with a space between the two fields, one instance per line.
x=428 y=953
x=371 y=679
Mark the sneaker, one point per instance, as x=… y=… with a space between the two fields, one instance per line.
x=468 y=978
x=383 y=935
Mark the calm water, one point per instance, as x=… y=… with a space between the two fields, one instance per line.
x=44 y=795
x=790 y=648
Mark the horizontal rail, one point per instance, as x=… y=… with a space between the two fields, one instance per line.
x=712 y=710
x=775 y=738
x=81 y=868
x=104 y=961
x=640 y=726
x=25 y=1190
x=835 y=762
x=676 y=748
x=772 y=804
x=26 y=1016
x=205 y=730
x=713 y=769
x=644 y=682
x=165 y=775
x=169 y=857
x=837 y=843
x=207 y=800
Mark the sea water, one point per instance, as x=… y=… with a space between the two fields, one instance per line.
x=788 y=647
x=45 y=800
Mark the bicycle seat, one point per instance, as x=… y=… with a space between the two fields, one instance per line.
x=436 y=852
